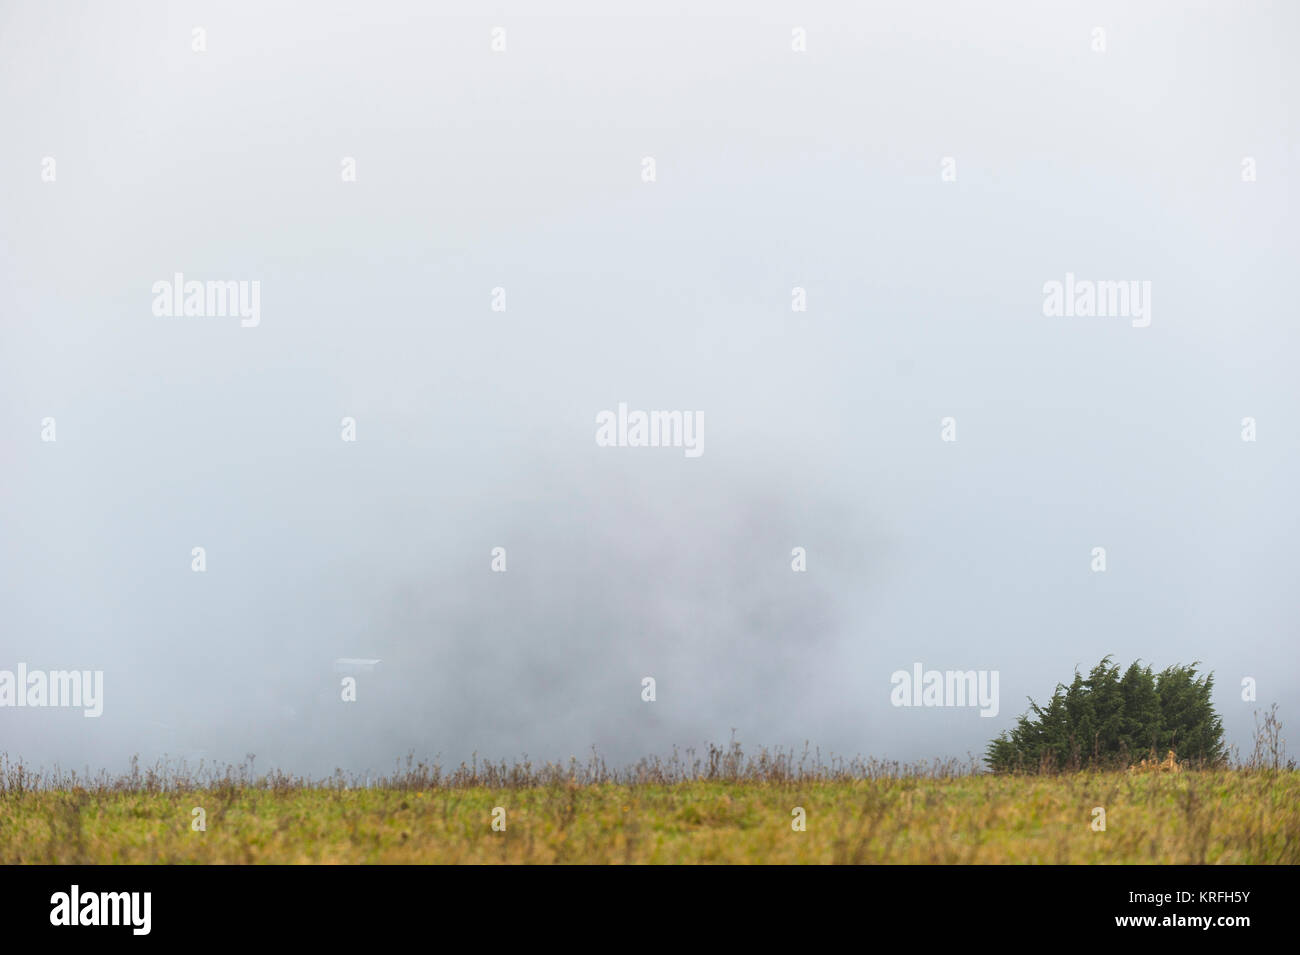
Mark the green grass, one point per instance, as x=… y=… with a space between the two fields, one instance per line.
x=1213 y=816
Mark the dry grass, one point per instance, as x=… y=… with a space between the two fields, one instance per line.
x=722 y=808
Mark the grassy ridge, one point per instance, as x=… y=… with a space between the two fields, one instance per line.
x=1211 y=816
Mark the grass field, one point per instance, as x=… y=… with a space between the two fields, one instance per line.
x=1213 y=816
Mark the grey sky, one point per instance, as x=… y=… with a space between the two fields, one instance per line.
x=522 y=170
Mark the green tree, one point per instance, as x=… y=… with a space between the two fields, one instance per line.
x=1107 y=719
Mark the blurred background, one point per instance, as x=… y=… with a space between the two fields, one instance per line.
x=522 y=169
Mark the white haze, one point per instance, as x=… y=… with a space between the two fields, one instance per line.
x=476 y=428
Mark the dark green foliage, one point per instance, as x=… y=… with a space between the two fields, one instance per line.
x=1105 y=719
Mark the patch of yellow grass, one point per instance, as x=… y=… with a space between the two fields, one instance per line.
x=1163 y=816
x=1170 y=764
